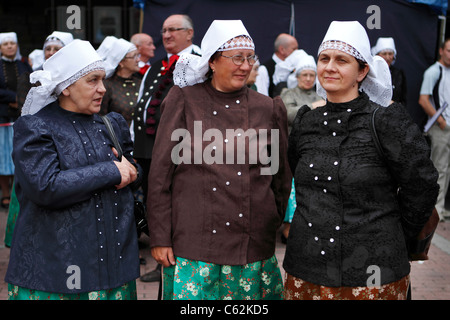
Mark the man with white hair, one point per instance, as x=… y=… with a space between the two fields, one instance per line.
x=146 y=47
x=177 y=34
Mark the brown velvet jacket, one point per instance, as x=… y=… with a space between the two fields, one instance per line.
x=204 y=203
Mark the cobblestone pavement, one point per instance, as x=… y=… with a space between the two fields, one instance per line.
x=430 y=279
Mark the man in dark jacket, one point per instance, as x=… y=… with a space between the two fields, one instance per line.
x=284 y=45
x=177 y=34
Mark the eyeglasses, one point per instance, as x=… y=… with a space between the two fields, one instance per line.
x=239 y=59
x=170 y=30
x=135 y=57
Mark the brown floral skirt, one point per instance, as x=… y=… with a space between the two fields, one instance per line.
x=297 y=289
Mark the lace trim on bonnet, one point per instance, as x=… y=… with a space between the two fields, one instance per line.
x=40 y=96
x=239 y=42
x=97 y=65
x=341 y=46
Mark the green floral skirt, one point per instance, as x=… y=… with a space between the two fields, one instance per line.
x=292 y=205
x=197 y=280
x=125 y=292
x=12 y=216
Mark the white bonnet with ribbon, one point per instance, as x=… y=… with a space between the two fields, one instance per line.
x=65 y=67
x=222 y=35
x=384 y=43
x=351 y=37
x=8 y=36
x=62 y=38
x=112 y=50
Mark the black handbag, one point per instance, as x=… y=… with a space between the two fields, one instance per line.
x=140 y=213
x=417 y=247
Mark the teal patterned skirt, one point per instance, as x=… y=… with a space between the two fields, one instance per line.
x=197 y=280
x=292 y=205
x=126 y=292
x=12 y=216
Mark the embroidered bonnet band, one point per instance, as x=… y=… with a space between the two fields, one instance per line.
x=341 y=46
x=222 y=35
x=351 y=37
x=238 y=42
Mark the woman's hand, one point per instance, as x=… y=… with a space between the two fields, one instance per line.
x=163 y=255
x=128 y=172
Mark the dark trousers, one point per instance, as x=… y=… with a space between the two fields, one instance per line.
x=145 y=165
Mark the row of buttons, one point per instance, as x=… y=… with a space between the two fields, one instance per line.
x=329 y=178
x=128 y=94
x=96 y=194
x=146 y=94
x=239 y=173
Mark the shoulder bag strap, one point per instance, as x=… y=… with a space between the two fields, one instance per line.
x=375 y=135
x=113 y=136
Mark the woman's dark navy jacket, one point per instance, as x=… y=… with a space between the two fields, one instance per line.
x=71 y=213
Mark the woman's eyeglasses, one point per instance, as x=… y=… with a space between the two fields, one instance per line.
x=135 y=57
x=239 y=59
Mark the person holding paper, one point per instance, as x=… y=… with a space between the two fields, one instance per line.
x=434 y=93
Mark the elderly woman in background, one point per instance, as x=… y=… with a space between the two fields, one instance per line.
x=213 y=223
x=11 y=67
x=55 y=41
x=251 y=82
x=385 y=48
x=352 y=219
x=52 y=44
x=75 y=235
x=304 y=93
x=122 y=83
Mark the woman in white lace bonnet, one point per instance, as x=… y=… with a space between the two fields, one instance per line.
x=213 y=222
x=76 y=196
x=350 y=222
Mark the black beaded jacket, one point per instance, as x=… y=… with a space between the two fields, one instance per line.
x=349 y=215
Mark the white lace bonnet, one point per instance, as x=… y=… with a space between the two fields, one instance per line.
x=112 y=50
x=64 y=68
x=62 y=38
x=11 y=36
x=222 y=35
x=384 y=43
x=288 y=69
x=351 y=37
x=284 y=68
x=8 y=36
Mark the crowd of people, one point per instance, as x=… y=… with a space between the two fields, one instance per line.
x=225 y=150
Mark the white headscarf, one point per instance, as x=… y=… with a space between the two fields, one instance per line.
x=284 y=68
x=10 y=36
x=62 y=38
x=383 y=44
x=191 y=69
x=305 y=63
x=112 y=50
x=351 y=37
x=37 y=58
x=64 y=68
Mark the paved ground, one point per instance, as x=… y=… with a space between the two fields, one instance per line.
x=430 y=279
